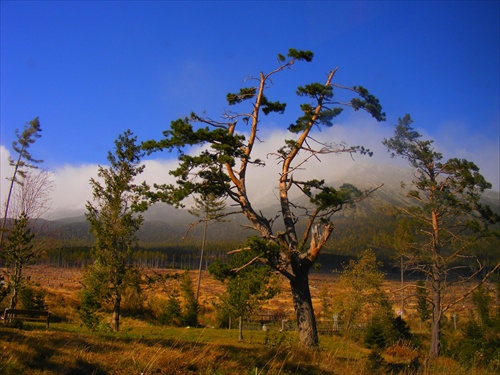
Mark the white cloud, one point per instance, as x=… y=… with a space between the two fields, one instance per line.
x=72 y=189
x=71 y=185
x=455 y=140
x=482 y=150
x=262 y=182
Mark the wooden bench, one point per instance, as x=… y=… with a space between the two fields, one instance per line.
x=10 y=315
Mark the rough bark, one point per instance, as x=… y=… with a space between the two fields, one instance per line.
x=16 y=284
x=302 y=302
x=436 y=319
x=205 y=223
x=240 y=328
x=436 y=286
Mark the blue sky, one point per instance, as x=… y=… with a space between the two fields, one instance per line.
x=91 y=70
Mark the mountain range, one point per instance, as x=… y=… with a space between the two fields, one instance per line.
x=165 y=224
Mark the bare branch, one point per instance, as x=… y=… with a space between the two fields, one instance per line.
x=252 y=261
x=471 y=290
x=235 y=251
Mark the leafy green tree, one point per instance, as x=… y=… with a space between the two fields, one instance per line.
x=360 y=290
x=114 y=217
x=19 y=253
x=208 y=208
x=480 y=341
x=133 y=298
x=225 y=156
x=497 y=295
x=248 y=287
x=448 y=218
x=24 y=160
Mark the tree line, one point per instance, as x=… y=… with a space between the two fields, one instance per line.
x=177 y=258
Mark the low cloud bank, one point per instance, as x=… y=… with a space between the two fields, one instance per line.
x=72 y=188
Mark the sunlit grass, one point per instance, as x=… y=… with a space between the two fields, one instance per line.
x=142 y=348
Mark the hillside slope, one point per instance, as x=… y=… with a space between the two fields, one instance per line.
x=167 y=225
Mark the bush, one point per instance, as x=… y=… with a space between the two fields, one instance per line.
x=133 y=301
x=479 y=346
x=172 y=312
x=383 y=331
x=222 y=316
x=401 y=330
x=376 y=334
x=277 y=339
x=32 y=297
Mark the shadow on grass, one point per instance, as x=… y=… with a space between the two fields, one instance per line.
x=162 y=351
x=31 y=351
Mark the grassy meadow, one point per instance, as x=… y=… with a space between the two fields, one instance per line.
x=144 y=347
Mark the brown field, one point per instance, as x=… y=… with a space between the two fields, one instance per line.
x=62 y=285
x=143 y=347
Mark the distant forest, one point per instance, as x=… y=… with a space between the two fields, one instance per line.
x=164 y=246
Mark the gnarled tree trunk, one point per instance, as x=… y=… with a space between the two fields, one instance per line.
x=16 y=284
x=302 y=302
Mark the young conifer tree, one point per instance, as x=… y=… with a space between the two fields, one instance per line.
x=24 y=160
x=114 y=217
x=448 y=217
x=207 y=207
x=19 y=252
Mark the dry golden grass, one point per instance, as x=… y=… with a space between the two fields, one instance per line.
x=62 y=285
x=153 y=350
x=145 y=348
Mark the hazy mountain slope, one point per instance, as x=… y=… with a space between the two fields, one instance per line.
x=166 y=224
